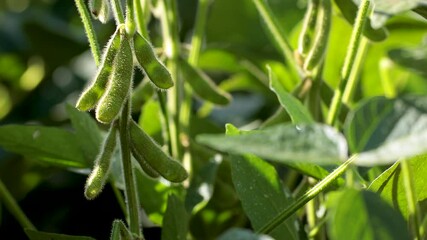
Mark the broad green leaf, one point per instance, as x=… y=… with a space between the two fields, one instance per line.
x=349 y=11
x=422 y=10
x=414 y=59
x=384 y=9
x=316 y=143
x=175 y=221
x=87 y=132
x=50 y=145
x=242 y=234
x=263 y=197
x=385 y=130
x=38 y=235
x=363 y=215
x=295 y=109
x=391 y=187
x=141 y=94
x=149 y=119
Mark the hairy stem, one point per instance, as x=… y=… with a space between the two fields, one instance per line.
x=128 y=173
x=90 y=32
x=140 y=19
x=352 y=50
x=309 y=195
x=117 y=12
x=199 y=30
x=13 y=207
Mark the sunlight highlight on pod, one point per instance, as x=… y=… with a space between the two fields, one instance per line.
x=152 y=66
x=99 y=175
x=153 y=154
x=119 y=84
x=93 y=93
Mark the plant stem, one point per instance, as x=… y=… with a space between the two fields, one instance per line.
x=199 y=29
x=14 y=208
x=171 y=47
x=117 y=12
x=140 y=19
x=278 y=35
x=119 y=197
x=352 y=49
x=309 y=195
x=128 y=173
x=90 y=32
x=130 y=18
x=353 y=79
x=411 y=199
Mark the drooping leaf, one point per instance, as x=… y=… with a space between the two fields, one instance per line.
x=391 y=187
x=384 y=9
x=349 y=11
x=357 y=215
x=38 y=235
x=316 y=143
x=296 y=110
x=50 y=145
x=87 y=132
x=414 y=59
x=242 y=234
x=384 y=130
x=175 y=221
x=262 y=194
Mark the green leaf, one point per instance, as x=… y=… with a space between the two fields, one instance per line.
x=242 y=234
x=295 y=109
x=349 y=11
x=37 y=235
x=284 y=143
x=391 y=187
x=149 y=119
x=385 y=130
x=175 y=221
x=87 y=132
x=363 y=215
x=50 y=145
x=414 y=59
x=384 y=9
x=422 y=10
x=263 y=197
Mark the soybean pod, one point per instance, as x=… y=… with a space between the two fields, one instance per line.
x=143 y=163
x=308 y=27
x=152 y=66
x=120 y=231
x=101 y=168
x=119 y=84
x=100 y=10
x=152 y=153
x=317 y=51
x=93 y=93
x=202 y=85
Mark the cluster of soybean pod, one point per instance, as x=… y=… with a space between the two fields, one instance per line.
x=108 y=94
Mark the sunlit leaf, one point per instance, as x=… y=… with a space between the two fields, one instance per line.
x=384 y=130
x=363 y=215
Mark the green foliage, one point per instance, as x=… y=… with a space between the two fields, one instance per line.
x=248 y=120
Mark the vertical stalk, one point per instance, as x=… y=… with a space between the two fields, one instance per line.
x=199 y=29
x=140 y=19
x=411 y=199
x=14 y=208
x=130 y=18
x=352 y=50
x=90 y=32
x=171 y=45
x=117 y=11
x=309 y=195
x=128 y=173
x=352 y=82
x=278 y=35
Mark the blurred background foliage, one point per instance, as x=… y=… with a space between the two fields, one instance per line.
x=45 y=62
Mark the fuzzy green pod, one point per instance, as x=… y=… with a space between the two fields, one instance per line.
x=119 y=84
x=318 y=48
x=100 y=10
x=307 y=32
x=143 y=163
x=152 y=66
x=167 y=167
x=202 y=85
x=101 y=168
x=119 y=231
x=93 y=93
